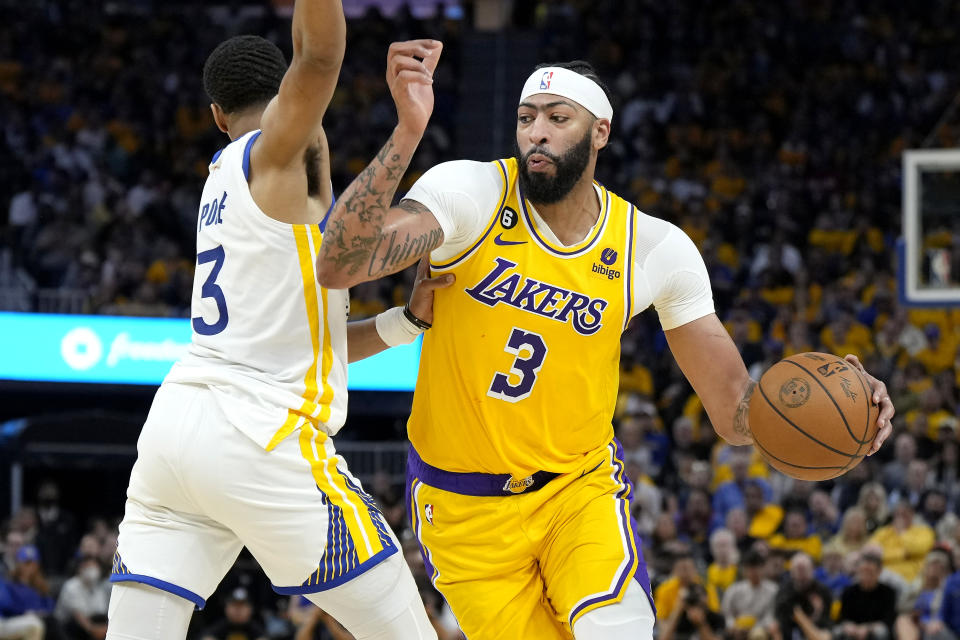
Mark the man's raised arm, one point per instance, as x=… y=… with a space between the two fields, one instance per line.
x=292 y=120
x=365 y=237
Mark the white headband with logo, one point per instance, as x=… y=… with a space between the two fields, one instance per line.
x=569 y=84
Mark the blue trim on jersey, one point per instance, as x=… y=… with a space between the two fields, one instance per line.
x=216 y=156
x=246 y=155
x=326 y=216
x=163 y=585
x=374 y=560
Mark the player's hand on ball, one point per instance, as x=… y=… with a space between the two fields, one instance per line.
x=410 y=67
x=421 y=299
x=881 y=398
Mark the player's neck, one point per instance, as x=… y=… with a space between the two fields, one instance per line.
x=572 y=218
x=243 y=123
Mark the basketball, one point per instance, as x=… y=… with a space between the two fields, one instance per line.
x=812 y=416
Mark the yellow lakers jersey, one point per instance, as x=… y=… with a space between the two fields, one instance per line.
x=520 y=371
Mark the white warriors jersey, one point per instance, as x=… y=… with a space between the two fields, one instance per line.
x=268 y=340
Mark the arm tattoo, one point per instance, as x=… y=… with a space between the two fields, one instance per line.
x=354 y=236
x=740 y=425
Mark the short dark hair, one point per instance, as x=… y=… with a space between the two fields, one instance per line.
x=754 y=558
x=682 y=554
x=243 y=72
x=582 y=67
x=873 y=558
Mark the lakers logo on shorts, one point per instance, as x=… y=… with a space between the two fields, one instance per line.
x=518 y=486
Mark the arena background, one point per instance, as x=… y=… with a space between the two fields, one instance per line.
x=771 y=132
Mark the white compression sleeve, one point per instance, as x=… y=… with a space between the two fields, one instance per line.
x=141 y=612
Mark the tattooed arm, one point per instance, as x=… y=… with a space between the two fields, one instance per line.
x=710 y=361
x=365 y=237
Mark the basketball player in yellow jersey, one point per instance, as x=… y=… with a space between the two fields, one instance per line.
x=516 y=485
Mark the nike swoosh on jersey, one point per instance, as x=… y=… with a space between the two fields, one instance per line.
x=504 y=243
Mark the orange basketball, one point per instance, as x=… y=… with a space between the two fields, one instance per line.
x=813 y=416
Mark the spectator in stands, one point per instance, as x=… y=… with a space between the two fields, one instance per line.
x=832 y=571
x=933 y=507
x=692 y=617
x=922 y=616
x=905 y=541
x=25 y=604
x=694 y=523
x=764 y=517
x=82 y=604
x=868 y=607
x=824 y=515
x=846 y=488
x=737 y=525
x=669 y=595
x=237 y=622
x=731 y=494
x=914 y=486
x=56 y=529
x=801 y=592
x=12 y=543
x=796 y=536
x=722 y=571
x=853 y=532
x=316 y=619
x=950 y=609
x=873 y=503
x=748 y=603
x=643 y=443
x=904 y=452
x=946 y=467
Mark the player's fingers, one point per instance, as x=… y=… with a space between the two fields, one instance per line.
x=418 y=48
x=431 y=59
x=887 y=410
x=881 y=436
x=879 y=391
x=439 y=282
x=423 y=268
x=399 y=65
x=854 y=360
x=414 y=77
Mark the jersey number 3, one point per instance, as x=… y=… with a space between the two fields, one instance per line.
x=530 y=350
x=211 y=289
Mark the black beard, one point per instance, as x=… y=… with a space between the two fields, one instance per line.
x=539 y=188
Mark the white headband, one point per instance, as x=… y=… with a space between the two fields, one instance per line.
x=569 y=84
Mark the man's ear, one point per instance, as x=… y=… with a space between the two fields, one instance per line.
x=601 y=133
x=219 y=117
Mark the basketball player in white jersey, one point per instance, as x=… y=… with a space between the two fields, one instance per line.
x=237 y=449
x=521 y=514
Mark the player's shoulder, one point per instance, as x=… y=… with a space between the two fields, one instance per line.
x=237 y=149
x=650 y=230
x=456 y=172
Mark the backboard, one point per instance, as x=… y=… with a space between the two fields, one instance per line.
x=929 y=256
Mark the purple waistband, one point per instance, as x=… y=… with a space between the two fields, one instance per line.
x=474 y=484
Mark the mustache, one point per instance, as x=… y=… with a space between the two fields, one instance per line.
x=550 y=156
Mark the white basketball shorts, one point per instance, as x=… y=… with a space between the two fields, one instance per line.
x=200 y=490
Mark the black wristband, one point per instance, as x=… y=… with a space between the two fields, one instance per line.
x=420 y=324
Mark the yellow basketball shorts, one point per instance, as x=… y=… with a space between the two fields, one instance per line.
x=526 y=558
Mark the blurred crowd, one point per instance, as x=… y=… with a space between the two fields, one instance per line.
x=106 y=135
x=771 y=132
